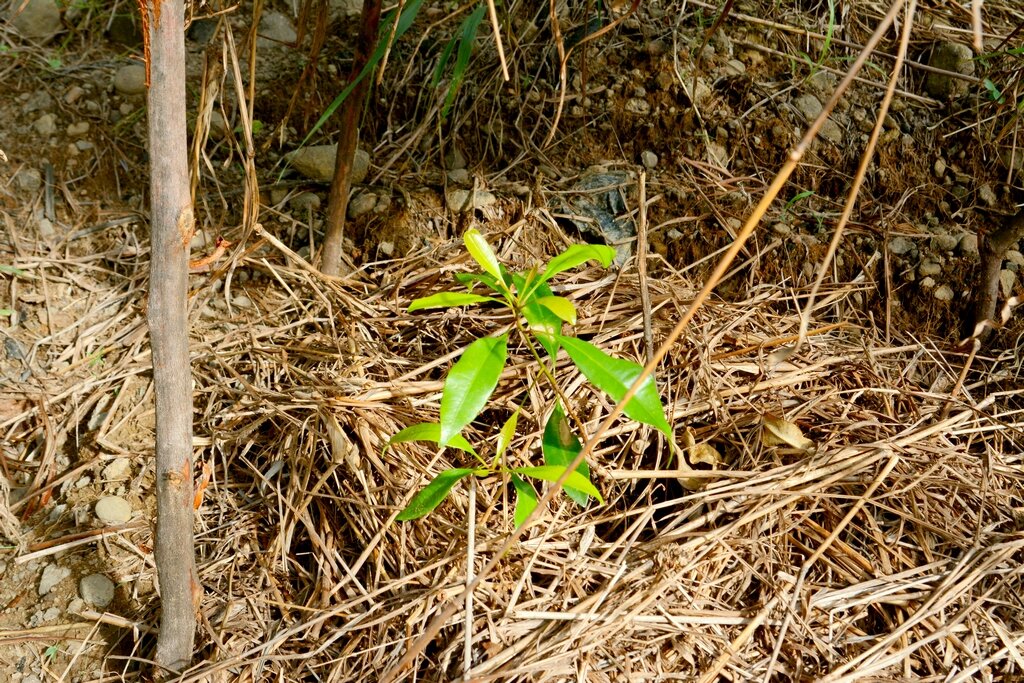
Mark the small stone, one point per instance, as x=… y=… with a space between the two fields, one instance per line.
x=459 y=176
x=52 y=575
x=345 y=7
x=929 y=268
x=900 y=245
x=37 y=20
x=218 y=126
x=735 y=67
x=84 y=145
x=46 y=229
x=242 y=301
x=361 y=203
x=968 y=245
x=386 y=248
x=118 y=469
x=649 y=159
x=73 y=94
x=46 y=125
x=28 y=179
x=944 y=241
x=97 y=590
x=831 y=131
x=317 y=162
x=113 y=510
x=808 y=106
x=781 y=229
x=943 y=293
x=927 y=282
x=200 y=239
x=987 y=195
x=939 y=168
x=276 y=28
x=454 y=159
x=78 y=129
x=305 y=201
x=277 y=195
x=126 y=108
x=1007 y=278
x=468 y=200
x=949 y=57
x=639 y=106
x=130 y=79
x=1014 y=258
x=40 y=101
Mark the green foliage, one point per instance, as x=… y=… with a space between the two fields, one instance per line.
x=464 y=39
x=539 y=316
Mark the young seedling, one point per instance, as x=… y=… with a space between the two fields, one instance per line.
x=539 y=315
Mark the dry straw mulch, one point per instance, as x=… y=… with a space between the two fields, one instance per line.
x=890 y=551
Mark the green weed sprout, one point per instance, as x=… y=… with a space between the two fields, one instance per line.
x=539 y=316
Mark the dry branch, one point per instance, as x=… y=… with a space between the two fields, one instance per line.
x=172 y=224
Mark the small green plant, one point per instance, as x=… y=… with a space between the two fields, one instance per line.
x=538 y=316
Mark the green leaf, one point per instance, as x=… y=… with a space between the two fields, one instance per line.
x=469 y=384
x=469 y=28
x=443 y=62
x=430 y=431
x=11 y=269
x=545 y=325
x=526 y=499
x=576 y=255
x=560 y=447
x=470 y=279
x=560 y=306
x=448 y=300
x=508 y=431
x=482 y=253
x=614 y=376
x=554 y=473
x=431 y=495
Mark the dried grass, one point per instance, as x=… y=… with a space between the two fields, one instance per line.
x=892 y=551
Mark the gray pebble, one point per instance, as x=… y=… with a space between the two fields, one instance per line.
x=939 y=168
x=78 y=129
x=454 y=159
x=28 y=179
x=117 y=470
x=943 y=293
x=37 y=19
x=39 y=101
x=242 y=301
x=987 y=195
x=649 y=159
x=1007 y=278
x=361 y=203
x=113 y=510
x=944 y=241
x=808 y=106
x=130 y=79
x=468 y=200
x=459 y=176
x=929 y=268
x=317 y=162
x=46 y=125
x=305 y=201
x=968 y=245
x=275 y=28
x=637 y=105
x=52 y=575
x=900 y=245
x=97 y=590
